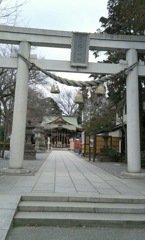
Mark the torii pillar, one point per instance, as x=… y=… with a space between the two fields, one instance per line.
x=133 y=123
x=20 y=110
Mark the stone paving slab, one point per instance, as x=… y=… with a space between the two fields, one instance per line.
x=8 y=204
x=67 y=173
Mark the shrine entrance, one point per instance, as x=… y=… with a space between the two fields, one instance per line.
x=59 y=139
x=80 y=44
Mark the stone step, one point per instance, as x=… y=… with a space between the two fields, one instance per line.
x=44 y=206
x=78 y=219
x=83 y=198
x=80 y=210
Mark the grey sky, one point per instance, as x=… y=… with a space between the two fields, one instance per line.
x=66 y=15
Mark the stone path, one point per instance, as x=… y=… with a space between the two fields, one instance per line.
x=65 y=173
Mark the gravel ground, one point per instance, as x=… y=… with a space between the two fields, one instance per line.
x=114 y=168
x=32 y=165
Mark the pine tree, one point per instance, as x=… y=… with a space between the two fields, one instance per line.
x=125 y=17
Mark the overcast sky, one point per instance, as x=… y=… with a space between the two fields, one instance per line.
x=66 y=15
x=69 y=15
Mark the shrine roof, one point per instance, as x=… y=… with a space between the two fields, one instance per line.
x=67 y=122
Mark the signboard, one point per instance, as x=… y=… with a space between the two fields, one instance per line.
x=83 y=137
x=80 y=49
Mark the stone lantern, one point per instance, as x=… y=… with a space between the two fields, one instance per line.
x=104 y=151
x=39 y=139
x=29 y=150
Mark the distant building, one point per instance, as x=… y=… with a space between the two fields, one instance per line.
x=60 y=129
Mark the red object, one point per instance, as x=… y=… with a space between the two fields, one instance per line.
x=77 y=144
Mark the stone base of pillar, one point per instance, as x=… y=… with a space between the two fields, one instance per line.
x=15 y=171
x=125 y=174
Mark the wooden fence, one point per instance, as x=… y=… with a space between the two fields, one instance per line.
x=113 y=143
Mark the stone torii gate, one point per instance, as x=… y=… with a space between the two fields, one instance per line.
x=27 y=37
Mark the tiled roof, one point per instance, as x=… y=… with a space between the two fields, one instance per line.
x=67 y=122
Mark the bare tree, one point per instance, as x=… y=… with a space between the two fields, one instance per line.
x=39 y=106
x=10 y=11
x=98 y=114
x=7 y=86
x=65 y=100
x=10 y=15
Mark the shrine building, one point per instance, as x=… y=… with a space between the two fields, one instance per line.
x=61 y=129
